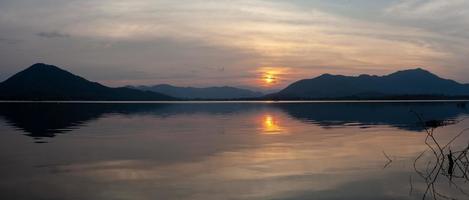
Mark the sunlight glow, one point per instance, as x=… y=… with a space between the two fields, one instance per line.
x=272 y=77
x=270 y=125
x=269 y=78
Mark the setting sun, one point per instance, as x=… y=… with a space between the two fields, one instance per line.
x=269 y=78
x=273 y=77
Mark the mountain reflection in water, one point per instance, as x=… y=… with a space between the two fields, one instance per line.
x=40 y=120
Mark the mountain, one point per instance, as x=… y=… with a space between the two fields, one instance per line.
x=406 y=83
x=48 y=82
x=201 y=93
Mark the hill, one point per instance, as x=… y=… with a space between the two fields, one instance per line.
x=47 y=82
x=201 y=93
x=407 y=84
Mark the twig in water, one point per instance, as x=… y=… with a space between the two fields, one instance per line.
x=389 y=160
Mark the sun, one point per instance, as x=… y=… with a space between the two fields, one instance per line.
x=269 y=78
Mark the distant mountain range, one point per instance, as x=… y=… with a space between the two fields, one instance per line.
x=201 y=93
x=48 y=82
x=406 y=84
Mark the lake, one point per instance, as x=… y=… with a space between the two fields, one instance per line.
x=230 y=150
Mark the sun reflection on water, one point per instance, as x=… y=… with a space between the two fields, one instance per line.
x=270 y=125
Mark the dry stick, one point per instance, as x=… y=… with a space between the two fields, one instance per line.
x=457 y=187
x=459 y=134
x=429 y=133
x=411 y=186
x=389 y=160
x=427 y=178
x=415 y=165
x=429 y=183
x=432 y=183
x=439 y=164
x=438 y=161
x=444 y=196
x=464 y=175
x=437 y=144
x=460 y=155
x=467 y=163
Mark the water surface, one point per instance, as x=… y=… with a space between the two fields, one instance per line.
x=262 y=150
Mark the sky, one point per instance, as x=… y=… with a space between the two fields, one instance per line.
x=264 y=44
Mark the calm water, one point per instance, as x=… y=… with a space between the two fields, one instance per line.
x=223 y=150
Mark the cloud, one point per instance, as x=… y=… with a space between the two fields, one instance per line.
x=446 y=17
x=430 y=9
x=9 y=41
x=447 y=21
x=53 y=34
x=277 y=30
x=245 y=35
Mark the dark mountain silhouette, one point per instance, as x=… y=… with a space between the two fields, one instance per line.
x=48 y=82
x=407 y=83
x=201 y=93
